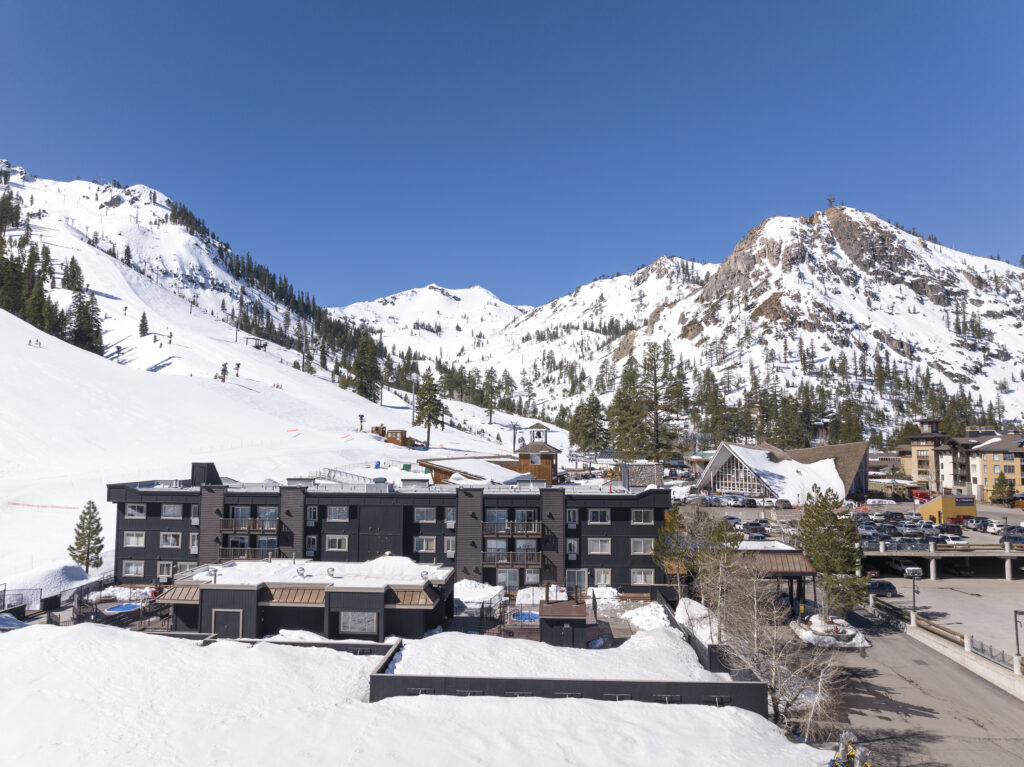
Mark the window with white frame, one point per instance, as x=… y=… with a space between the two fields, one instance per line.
x=602 y=576
x=337 y=513
x=644 y=577
x=311 y=543
x=575 y=579
x=135 y=511
x=170 y=540
x=132 y=568
x=266 y=542
x=180 y=567
x=599 y=545
x=641 y=546
x=164 y=569
x=424 y=544
x=495 y=515
x=572 y=515
x=352 y=622
x=337 y=543
x=450 y=513
x=134 y=538
x=600 y=516
x=531 y=577
x=643 y=517
x=266 y=512
x=424 y=514
x=449 y=544
x=193 y=542
x=312 y=513
x=170 y=511
x=572 y=545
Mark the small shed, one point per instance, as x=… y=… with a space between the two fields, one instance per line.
x=567 y=623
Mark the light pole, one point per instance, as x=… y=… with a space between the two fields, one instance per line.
x=913 y=593
x=1017 y=614
x=415 y=378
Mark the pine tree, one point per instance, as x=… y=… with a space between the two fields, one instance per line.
x=490 y=393
x=366 y=369
x=671 y=550
x=626 y=414
x=1001 y=490
x=429 y=406
x=830 y=545
x=586 y=427
x=143 y=326
x=72 y=279
x=657 y=371
x=88 y=545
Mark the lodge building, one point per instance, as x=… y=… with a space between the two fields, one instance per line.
x=509 y=535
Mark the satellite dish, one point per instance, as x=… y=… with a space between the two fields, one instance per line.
x=424 y=573
x=301 y=571
x=330 y=571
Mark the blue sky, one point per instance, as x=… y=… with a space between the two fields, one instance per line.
x=366 y=148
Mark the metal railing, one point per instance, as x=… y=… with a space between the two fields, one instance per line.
x=508 y=528
x=512 y=558
x=989 y=652
x=248 y=553
x=248 y=525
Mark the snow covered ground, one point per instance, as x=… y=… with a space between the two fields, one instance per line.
x=170 y=702
x=838 y=633
x=660 y=653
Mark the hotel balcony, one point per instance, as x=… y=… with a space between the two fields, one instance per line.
x=514 y=558
x=248 y=525
x=508 y=529
x=247 y=553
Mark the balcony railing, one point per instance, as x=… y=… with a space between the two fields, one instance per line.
x=509 y=528
x=248 y=525
x=247 y=553
x=528 y=558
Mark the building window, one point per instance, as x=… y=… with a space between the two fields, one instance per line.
x=600 y=516
x=350 y=622
x=643 y=517
x=424 y=544
x=602 y=576
x=181 y=567
x=164 y=569
x=1009 y=469
x=311 y=544
x=495 y=515
x=133 y=539
x=923 y=453
x=424 y=514
x=193 y=542
x=267 y=542
x=641 y=546
x=170 y=511
x=170 y=540
x=534 y=459
x=599 y=545
x=240 y=512
x=572 y=545
x=641 y=577
x=266 y=512
x=449 y=544
x=531 y=577
x=572 y=516
x=132 y=568
x=312 y=513
x=576 y=579
x=135 y=511
x=337 y=513
x=450 y=513
x=337 y=543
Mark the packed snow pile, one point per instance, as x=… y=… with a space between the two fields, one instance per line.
x=603 y=593
x=8 y=622
x=381 y=571
x=102 y=689
x=118 y=594
x=534 y=595
x=697 y=619
x=650 y=616
x=661 y=653
x=474 y=592
x=52 y=580
x=839 y=633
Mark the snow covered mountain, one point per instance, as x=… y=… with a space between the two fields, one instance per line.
x=795 y=298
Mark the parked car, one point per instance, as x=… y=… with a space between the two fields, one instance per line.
x=880 y=502
x=951 y=529
x=756 y=537
x=976 y=523
x=882 y=588
x=912 y=516
x=1011 y=539
x=952 y=540
x=959 y=519
x=878 y=516
x=906 y=567
x=731 y=519
x=781 y=503
x=994 y=528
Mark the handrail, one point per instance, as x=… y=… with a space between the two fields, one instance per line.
x=511 y=557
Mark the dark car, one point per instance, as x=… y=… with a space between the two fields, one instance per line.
x=882 y=589
x=1011 y=539
x=950 y=528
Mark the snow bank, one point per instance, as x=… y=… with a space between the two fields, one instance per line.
x=474 y=592
x=170 y=702
x=8 y=622
x=535 y=594
x=697 y=619
x=839 y=633
x=660 y=653
x=602 y=592
x=376 y=572
x=51 y=579
x=651 y=616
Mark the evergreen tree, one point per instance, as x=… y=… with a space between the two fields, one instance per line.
x=1001 y=490
x=586 y=427
x=657 y=372
x=490 y=393
x=143 y=326
x=430 y=408
x=830 y=544
x=88 y=545
x=671 y=550
x=366 y=369
x=72 y=279
x=626 y=414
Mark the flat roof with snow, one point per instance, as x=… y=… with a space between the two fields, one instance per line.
x=378 y=573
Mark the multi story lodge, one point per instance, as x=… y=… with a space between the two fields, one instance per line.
x=509 y=535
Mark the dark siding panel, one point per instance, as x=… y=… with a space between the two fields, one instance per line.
x=229 y=599
x=291 y=526
x=469 y=534
x=552 y=514
x=273 y=619
x=211 y=507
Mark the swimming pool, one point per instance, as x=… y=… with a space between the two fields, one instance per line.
x=123 y=608
x=525 y=615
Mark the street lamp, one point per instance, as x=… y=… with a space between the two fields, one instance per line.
x=1017 y=614
x=415 y=378
x=914 y=591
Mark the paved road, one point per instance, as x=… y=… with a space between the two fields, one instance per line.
x=911 y=706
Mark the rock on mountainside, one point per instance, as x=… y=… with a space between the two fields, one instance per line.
x=795 y=297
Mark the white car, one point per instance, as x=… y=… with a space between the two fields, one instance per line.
x=880 y=502
x=994 y=527
x=953 y=540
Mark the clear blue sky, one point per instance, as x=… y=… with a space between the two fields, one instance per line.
x=366 y=148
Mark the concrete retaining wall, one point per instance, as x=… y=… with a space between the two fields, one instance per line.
x=986 y=669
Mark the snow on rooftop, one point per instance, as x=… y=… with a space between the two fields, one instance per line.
x=658 y=654
x=765 y=545
x=230 y=703
x=788 y=478
x=481 y=467
x=376 y=573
